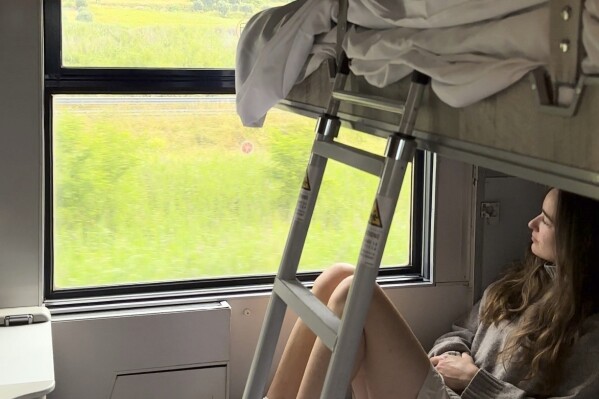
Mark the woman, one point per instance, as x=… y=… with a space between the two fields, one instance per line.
x=534 y=334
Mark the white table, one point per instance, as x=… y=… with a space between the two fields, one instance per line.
x=26 y=361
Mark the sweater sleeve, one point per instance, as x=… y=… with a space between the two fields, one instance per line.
x=579 y=378
x=485 y=386
x=460 y=338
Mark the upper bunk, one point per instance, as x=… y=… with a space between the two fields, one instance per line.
x=514 y=83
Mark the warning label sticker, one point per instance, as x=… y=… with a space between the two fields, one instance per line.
x=370 y=247
x=375 y=215
x=305 y=195
x=306 y=183
x=374 y=240
x=302 y=206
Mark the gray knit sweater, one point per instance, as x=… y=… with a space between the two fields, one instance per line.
x=579 y=377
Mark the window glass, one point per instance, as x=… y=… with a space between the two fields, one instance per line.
x=162 y=188
x=154 y=33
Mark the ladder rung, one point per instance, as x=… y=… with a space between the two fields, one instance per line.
x=365 y=100
x=321 y=320
x=351 y=156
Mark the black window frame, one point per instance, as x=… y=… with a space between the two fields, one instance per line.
x=62 y=80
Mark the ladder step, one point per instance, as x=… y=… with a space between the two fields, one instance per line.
x=351 y=156
x=321 y=320
x=365 y=100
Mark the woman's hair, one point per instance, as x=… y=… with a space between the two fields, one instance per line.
x=550 y=311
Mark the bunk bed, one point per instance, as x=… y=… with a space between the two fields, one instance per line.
x=515 y=84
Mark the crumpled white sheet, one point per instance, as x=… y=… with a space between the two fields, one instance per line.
x=271 y=53
x=466 y=63
x=471 y=48
x=426 y=14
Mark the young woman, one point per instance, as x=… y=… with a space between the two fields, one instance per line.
x=535 y=333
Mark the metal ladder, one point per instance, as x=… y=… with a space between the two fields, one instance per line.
x=342 y=337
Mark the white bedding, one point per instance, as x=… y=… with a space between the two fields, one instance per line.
x=470 y=48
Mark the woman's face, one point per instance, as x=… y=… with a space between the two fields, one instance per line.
x=543 y=229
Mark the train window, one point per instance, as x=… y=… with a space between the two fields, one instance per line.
x=152 y=184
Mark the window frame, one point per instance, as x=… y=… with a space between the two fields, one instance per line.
x=62 y=80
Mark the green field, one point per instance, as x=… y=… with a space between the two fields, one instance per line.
x=156 y=191
x=154 y=33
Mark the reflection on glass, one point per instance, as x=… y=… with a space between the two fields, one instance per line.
x=163 y=188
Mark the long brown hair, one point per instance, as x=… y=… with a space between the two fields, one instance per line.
x=549 y=312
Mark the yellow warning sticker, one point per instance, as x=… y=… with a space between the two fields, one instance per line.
x=306 y=183
x=375 y=215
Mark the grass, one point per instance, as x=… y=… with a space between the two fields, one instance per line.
x=157 y=34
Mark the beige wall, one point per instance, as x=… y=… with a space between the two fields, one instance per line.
x=21 y=124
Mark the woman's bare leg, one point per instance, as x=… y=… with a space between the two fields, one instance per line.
x=393 y=363
x=301 y=340
x=313 y=381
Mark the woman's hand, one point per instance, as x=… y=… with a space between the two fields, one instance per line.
x=457 y=371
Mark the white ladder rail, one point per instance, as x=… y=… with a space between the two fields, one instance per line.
x=360 y=294
x=275 y=312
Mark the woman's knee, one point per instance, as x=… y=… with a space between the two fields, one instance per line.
x=329 y=279
x=339 y=296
